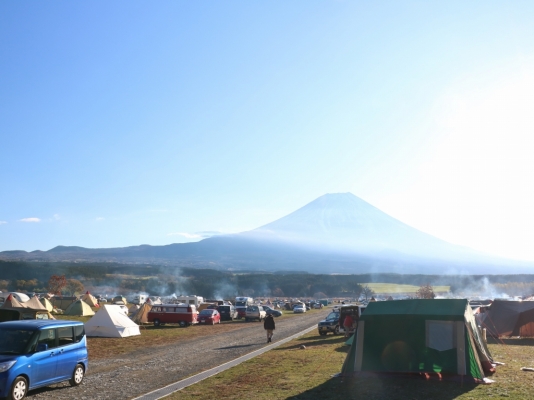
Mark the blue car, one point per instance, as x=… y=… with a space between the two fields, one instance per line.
x=37 y=353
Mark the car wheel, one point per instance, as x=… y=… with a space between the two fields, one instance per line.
x=183 y=324
x=77 y=375
x=18 y=389
x=157 y=322
x=336 y=331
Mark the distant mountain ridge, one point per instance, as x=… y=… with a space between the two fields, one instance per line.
x=335 y=233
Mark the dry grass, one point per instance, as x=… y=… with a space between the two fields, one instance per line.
x=290 y=373
x=152 y=336
x=390 y=288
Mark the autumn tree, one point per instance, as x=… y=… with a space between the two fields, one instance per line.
x=73 y=286
x=425 y=292
x=56 y=283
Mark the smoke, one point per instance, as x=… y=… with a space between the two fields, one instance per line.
x=482 y=288
x=225 y=290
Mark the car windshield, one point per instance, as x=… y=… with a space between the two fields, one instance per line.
x=206 y=312
x=333 y=315
x=15 y=341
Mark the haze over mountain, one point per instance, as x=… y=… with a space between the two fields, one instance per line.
x=336 y=233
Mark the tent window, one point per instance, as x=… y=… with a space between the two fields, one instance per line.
x=440 y=335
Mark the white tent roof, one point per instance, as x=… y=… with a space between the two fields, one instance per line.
x=110 y=321
x=20 y=296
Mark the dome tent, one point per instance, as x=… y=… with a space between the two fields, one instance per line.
x=46 y=303
x=80 y=308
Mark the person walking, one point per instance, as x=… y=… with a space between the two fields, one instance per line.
x=268 y=325
x=347 y=324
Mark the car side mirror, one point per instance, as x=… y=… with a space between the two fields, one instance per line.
x=42 y=347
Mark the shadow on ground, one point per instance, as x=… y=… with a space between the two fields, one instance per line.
x=514 y=342
x=315 y=341
x=409 y=388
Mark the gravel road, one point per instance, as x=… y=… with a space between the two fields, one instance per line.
x=148 y=369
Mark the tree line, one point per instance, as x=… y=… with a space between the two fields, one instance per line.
x=164 y=280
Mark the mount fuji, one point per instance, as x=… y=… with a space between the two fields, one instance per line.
x=335 y=233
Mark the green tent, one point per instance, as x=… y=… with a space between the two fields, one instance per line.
x=431 y=337
x=79 y=307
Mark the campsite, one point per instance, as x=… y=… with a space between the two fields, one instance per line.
x=432 y=347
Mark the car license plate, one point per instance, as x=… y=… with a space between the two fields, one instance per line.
x=202 y=321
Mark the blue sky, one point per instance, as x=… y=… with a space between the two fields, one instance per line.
x=125 y=123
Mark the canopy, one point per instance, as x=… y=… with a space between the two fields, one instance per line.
x=110 y=321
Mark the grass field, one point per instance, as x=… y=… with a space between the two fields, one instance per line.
x=291 y=373
x=390 y=288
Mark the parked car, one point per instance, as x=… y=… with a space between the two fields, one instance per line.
x=317 y=306
x=182 y=314
x=329 y=324
x=255 y=312
x=209 y=316
x=271 y=311
x=55 y=350
x=299 y=309
x=228 y=312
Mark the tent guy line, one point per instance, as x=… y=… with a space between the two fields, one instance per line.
x=176 y=386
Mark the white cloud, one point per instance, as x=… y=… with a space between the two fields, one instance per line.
x=33 y=219
x=57 y=217
x=185 y=235
x=3 y=222
x=100 y=219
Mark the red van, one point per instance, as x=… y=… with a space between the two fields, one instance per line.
x=182 y=314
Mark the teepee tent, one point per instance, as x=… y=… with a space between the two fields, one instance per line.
x=110 y=321
x=80 y=308
x=141 y=316
x=34 y=304
x=432 y=337
x=133 y=308
x=46 y=303
x=12 y=302
x=90 y=299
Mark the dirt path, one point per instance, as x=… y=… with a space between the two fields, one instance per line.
x=148 y=369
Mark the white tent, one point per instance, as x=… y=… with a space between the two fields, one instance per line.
x=110 y=321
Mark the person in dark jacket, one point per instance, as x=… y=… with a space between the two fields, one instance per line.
x=268 y=325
